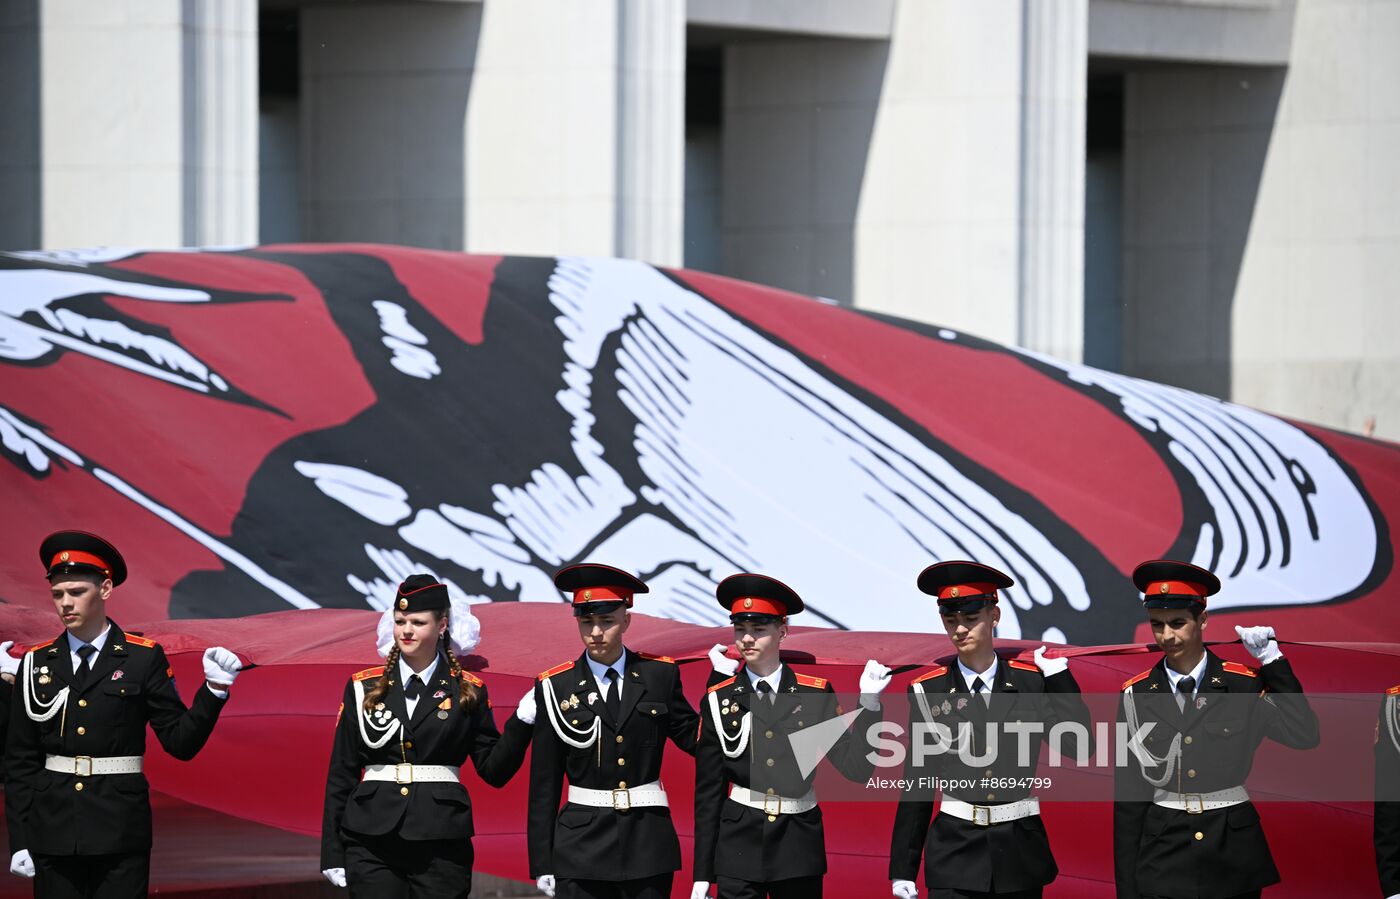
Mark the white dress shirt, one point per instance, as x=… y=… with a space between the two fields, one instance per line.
x=600 y=674
x=771 y=680
x=425 y=676
x=74 y=644
x=1173 y=678
x=987 y=678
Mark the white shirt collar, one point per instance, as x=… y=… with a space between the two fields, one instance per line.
x=600 y=671
x=1198 y=672
x=425 y=675
x=772 y=679
x=74 y=644
x=988 y=676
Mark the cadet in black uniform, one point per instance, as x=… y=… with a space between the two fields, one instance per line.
x=76 y=801
x=984 y=841
x=398 y=821
x=1387 y=808
x=758 y=830
x=603 y=721
x=1183 y=825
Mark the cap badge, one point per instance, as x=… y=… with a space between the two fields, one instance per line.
x=403 y=603
x=587 y=595
x=748 y=602
x=1163 y=588
x=955 y=593
x=63 y=556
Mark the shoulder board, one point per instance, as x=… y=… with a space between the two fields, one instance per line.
x=1237 y=668
x=723 y=683
x=656 y=658
x=140 y=641
x=1129 y=682
x=473 y=679
x=1023 y=666
x=807 y=680
x=1393 y=691
x=562 y=666
x=367 y=673
x=40 y=646
x=938 y=671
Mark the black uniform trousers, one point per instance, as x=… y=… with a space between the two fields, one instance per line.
x=121 y=876
x=390 y=867
x=658 y=887
x=792 y=888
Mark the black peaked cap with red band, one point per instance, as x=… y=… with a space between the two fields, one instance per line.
x=963 y=586
x=1166 y=584
x=422 y=593
x=757 y=597
x=594 y=589
x=78 y=552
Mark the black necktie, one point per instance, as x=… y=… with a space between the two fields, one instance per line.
x=765 y=690
x=977 y=686
x=85 y=652
x=613 y=701
x=414 y=688
x=1186 y=687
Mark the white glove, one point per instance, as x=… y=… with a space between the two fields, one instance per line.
x=1260 y=643
x=525 y=710
x=8 y=663
x=336 y=876
x=905 y=889
x=722 y=663
x=1049 y=666
x=221 y=666
x=545 y=884
x=21 y=864
x=700 y=890
x=873 y=680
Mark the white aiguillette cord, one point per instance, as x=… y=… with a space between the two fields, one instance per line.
x=585 y=737
x=52 y=707
x=733 y=747
x=362 y=714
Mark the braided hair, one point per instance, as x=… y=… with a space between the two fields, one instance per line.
x=468 y=695
x=381 y=686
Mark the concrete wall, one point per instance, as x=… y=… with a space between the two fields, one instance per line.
x=1262 y=229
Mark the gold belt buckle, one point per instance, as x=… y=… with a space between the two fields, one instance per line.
x=403 y=773
x=626 y=805
x=982 y=816
x=777 y=808
x=79 y=762
x=1200 y=808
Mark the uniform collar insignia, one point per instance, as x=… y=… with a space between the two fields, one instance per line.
x=1154 y=686
x=792 y=689
x=1216 y=680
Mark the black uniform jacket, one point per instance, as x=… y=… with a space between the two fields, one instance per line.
x=1222 y=852
x=131 y=683
x=1387 y=824
x=735 y=840
x=599 y=843
x=420 y=811
x=958 y=854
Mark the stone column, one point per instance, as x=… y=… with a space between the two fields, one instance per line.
x=1054 y=73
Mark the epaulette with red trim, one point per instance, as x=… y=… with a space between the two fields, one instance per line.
x=473 y=679
x=1132 y=680
x=1239 y=668
x=723 y=683
x=808 y=680
x=656 y=658
x=140 y=641
x=1023 y=666
x=367 y=673
x=937 y=671
x=557 y=669
x=40 y=646
x=1393 y=691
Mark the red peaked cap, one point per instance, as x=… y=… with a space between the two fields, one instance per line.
x=1166 y=584
x=757 y=597
x=73 y=552
x=962 y=586
x=596 y=588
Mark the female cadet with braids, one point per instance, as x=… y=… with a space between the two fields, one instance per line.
x=398 y=821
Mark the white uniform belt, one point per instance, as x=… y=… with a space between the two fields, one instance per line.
x=88 y=766
x=987 y=815
x=650 y=795
x=1195 y=803
x=414 y=774
x=773 y=805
